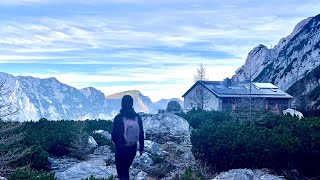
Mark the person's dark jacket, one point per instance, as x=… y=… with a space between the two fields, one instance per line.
x=118 y=131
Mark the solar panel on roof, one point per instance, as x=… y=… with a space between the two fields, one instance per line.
x=234 y=87
x=265 y=85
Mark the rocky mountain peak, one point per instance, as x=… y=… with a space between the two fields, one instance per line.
x=295 y=31
x=257 y=58
x=91 y=92
x=291 y=65
x=133 y=93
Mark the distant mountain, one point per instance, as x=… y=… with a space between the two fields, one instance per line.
x=293 y=64
x=51 y=99
x=162 y=104
x=141 y=103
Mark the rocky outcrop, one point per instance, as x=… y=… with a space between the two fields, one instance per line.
x=247 y=174
x=292 y=65
x=91 y=142
x=104 y=134
x=162 y=128
x=167 y=153
x=82 y=170
x=257 y=60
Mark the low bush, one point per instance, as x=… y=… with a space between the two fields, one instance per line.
x=30 y=174
x=190 y=174
x=269 y=141
x=197 y=117
x=51 y=138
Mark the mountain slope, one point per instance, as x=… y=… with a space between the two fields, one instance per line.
x=141 y=103
x=48 y=98
x=292 y=65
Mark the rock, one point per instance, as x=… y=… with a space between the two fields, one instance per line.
x=174 y=106
x=162 y=128
x=85 y=169
x=3 y=178
x=247 y=174
x=105 y=153
x=104 y=134
x=141 y=176
x=152 y=147
x=142 y=162
x=62 y=164
x=102 y=150
x=180 y=154
x=92 y=142
x=100 y=164
x=53 y=163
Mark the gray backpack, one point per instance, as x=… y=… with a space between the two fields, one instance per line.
x=131 y=131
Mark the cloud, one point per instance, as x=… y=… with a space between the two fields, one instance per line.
x=109 y=41
x=24 y=59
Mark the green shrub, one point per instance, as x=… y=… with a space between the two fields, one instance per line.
x=157 y=158
x=49 y=138
x=159 y=171
x=37 y=159
x=197 y=117
x=30 y=174
x=270 y=141
x=92 y=125
x=190 y=174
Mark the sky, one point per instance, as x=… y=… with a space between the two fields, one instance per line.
x=154 y=46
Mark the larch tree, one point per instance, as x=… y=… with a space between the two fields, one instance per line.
x=201 y=74
x=200 y=97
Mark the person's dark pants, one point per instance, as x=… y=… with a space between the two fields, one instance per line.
x=124 y=157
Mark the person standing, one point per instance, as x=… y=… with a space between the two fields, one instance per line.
x=127 y=131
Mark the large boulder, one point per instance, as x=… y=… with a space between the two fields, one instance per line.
x=105 y=153
x=247 y=174
x=142 y=162
x=162 y=128
x=104 y=134
x=85 y=169
x=141 y=176
x=152 y=147
x=99 y=164
x=174 y=106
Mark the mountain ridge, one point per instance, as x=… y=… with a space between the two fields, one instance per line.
x=291 y=65
x=49 y=98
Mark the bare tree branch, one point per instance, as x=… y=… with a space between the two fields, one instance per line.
x=201 y=74
x=7 y=135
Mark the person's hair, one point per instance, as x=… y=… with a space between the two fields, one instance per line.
x=127 y=107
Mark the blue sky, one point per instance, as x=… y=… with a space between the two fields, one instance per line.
x=151 y=46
